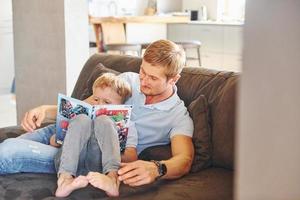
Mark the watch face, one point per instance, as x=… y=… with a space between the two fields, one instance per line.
x=163 y=169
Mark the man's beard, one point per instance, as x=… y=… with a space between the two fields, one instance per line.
x=149 y=92
x=146 y=91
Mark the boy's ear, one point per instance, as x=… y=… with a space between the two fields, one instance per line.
x=174 y=79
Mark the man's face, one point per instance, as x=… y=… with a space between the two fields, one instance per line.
x=105 y=96
x=153 y=80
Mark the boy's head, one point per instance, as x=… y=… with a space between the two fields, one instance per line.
x=110 y=89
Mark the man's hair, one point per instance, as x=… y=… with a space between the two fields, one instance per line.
x=117 y=84
x=167 y=54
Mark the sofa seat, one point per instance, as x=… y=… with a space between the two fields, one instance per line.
x=208 y=184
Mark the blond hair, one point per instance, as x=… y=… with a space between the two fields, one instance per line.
x=120 y=86
x=167 y=54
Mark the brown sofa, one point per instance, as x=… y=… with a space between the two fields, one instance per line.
x=214 y=121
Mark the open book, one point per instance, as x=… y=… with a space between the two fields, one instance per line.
x=68 y=108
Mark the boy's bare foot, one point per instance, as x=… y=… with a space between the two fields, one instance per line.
x=108 y=183
x=67 y=184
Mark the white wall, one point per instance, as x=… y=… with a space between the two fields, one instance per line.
x=104 y=8
x=76 y=40
x=211 y=5
x=167 y=6
x=268 y=150
x=6 y=46
x=141 y=5
x=51 y=46
x=163 y=6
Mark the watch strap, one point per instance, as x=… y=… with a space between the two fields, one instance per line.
x=161 y=168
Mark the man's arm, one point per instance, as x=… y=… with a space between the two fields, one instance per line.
x=144 y=172
x=182 y=157
x=36 y=116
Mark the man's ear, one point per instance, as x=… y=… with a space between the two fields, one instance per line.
x=174 y=79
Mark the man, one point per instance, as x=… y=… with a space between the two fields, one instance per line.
x=158 y=113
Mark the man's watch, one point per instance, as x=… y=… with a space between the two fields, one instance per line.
x=161 y=167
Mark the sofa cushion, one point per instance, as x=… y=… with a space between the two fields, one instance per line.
x=38 y=186
x=15 y=131
x=199 y=112
x=160 y=152
x=10 y=132
x=219 y=88
x=223 y=108
x=116 y=63
x=208 y=184
x=212 y=184
x=97 y=71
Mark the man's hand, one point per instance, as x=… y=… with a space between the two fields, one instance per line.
x=33 y=118
x=138 y=173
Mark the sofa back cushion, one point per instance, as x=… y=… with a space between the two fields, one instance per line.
x=199 y=112
x=87 y=84
x=218 y=87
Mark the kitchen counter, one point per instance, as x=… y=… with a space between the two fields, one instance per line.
x=158 y=19
x=229 y=23
x=140 y=19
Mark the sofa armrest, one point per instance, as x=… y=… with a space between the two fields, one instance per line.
x=10 y=132
x=15 y=131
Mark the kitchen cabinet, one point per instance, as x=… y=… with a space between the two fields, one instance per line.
x=232 y=39
x=221 y=43
x=210 y=36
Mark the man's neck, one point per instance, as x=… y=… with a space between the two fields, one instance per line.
x=151 y=99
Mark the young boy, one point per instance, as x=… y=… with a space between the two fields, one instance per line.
x=87 y=147
x=93 y=145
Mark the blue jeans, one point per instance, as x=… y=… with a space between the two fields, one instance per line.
x=29 y=152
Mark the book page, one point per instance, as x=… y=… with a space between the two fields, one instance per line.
x=120 y=114
x=67 y=109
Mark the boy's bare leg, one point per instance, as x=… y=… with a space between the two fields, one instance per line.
x=66 y=184
x=108 y=183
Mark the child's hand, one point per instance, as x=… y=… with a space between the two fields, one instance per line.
x=53 y=141
x=129 y=155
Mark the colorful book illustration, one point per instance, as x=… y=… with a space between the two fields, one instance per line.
x=69 y=107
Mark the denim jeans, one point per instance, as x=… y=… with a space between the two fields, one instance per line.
x=29 y=152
